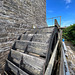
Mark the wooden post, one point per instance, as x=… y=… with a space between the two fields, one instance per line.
x=51 y=62
x=60 y=21
x=61 y=60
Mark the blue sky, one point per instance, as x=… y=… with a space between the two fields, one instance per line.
x=63 y=8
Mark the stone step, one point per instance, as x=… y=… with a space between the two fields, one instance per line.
x=33 y=47
x=16 y=70
x=41 y=38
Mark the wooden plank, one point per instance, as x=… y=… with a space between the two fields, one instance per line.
x=21 y=44
x=46 y=30
x=12 y=67
x=33 y=64
x=5 y=73
x=38 y=51
x=51 y=62
x=51 y=46
x=33 y=31
x=26 y=37
x=41 y=38
x=38 y=48
x=30 y=63
x=62 y=61
x=61 y=64
x=16 y=56
x=34 y=47
x=16 y=70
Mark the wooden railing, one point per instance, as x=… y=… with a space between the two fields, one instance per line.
x=63 y=70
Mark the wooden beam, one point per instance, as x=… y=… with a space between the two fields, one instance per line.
x=16 y=56
x=51 y=62
x=33 y=64
x=16 y=70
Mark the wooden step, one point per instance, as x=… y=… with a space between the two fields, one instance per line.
x=15 y=56
x=26 y=37
x=34 y=65
x=31 y=53
x=21 y=44
x=46 y=30
x=16 y=70
x=32 y=31
x=38 y=48
x=33 y=47
x=41 y=38
x=36 y=37
x=29 y=63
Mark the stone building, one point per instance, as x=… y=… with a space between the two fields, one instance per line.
x=17 y=16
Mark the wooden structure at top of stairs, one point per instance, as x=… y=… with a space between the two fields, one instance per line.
x=31 y=53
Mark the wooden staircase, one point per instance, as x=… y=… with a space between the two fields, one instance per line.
x=31 y=53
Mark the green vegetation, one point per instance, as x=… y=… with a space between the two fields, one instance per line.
x=69 y=34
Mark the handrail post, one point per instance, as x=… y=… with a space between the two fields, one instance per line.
x=60 y=21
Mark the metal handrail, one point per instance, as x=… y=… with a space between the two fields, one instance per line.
x=54 y=18
x=66 y=69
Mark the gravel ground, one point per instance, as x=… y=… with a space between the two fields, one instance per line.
x=70 y=57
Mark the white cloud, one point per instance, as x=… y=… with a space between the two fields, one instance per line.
x=67 y=23
x=67 y=6
x=67 y=1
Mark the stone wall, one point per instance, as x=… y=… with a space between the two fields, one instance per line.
x=23 y=13
x=3 y=57
x=16 y=17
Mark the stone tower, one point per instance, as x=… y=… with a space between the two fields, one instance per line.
x=22 y=13
x=17 y=16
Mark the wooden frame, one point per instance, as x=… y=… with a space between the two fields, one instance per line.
x=51 y=62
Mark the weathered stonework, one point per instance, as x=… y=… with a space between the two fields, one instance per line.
x=17 y=16
x=23 y=13
x=3 y=57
